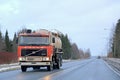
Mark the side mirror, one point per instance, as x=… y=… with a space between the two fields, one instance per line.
x=60 y=50
x=53 y=40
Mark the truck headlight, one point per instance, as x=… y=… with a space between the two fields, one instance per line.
x=45 y=59
x=22 y=59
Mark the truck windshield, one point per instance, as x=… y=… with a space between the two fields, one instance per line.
x=33 y=41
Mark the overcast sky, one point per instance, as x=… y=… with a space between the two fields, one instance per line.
x=87 y=22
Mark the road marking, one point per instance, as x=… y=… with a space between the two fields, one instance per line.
x=48 y=77
x=51 y=76
x=111 y=68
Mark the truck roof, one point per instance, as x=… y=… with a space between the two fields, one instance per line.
x=41 y=32
x=33 y=34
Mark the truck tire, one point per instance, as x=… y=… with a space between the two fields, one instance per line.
x=23 y=68
x=54 y=66
x=50 y=68
x=58 y=65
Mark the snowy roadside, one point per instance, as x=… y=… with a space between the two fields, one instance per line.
x=15 y=66
x=9 y=67
x=114 y=63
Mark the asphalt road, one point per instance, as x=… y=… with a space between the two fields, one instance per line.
x=91 y=69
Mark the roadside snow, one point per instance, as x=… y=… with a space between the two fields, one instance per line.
x=114 y=63
x=9 y=67
x=15 y=66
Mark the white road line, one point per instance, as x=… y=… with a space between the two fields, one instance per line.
x=56 y=73
x=111 y=68
x=50 y=76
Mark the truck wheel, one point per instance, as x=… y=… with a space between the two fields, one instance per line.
x=58 y=65
x=23 y=68
x=54 y=66
x=50 y=68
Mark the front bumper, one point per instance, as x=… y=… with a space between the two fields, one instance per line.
x=34 y=63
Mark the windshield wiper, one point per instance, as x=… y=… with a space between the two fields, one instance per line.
x=23 y=45
x=35 y=44
x=43 y=44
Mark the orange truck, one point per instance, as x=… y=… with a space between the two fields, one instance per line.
x=40 y=48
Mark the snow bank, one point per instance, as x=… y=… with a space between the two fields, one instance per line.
x=8 y=67
x=15 y=66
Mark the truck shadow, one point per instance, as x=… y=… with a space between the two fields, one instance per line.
x=44 y=69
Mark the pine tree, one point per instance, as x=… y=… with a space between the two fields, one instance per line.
x=116 y=41
x=14 y=43
x=8 y=47
x=66 y=47
x=1 y=42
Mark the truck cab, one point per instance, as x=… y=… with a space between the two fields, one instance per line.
x=39 y=49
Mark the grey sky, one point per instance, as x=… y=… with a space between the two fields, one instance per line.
x=84 y=21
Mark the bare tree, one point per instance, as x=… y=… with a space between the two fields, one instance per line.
x=75 y=50
x=87 y=54
x=81 y=53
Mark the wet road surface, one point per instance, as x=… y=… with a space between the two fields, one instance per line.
x=90 y=69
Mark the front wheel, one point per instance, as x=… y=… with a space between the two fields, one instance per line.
x=50 y=68
x=23 y=68
x=58 y=65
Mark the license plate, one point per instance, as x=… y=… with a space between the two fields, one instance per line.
x=33 y=62
x=31 y=59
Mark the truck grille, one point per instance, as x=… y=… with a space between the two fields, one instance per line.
x=34 y=52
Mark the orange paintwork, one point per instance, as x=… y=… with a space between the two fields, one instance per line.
x=49 y=49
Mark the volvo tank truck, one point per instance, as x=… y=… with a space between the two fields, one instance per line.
x=41 y=48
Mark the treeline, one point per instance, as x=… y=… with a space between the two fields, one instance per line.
x=71 y=50
x=6 y=44
x=8 y=49
x=114 y=43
